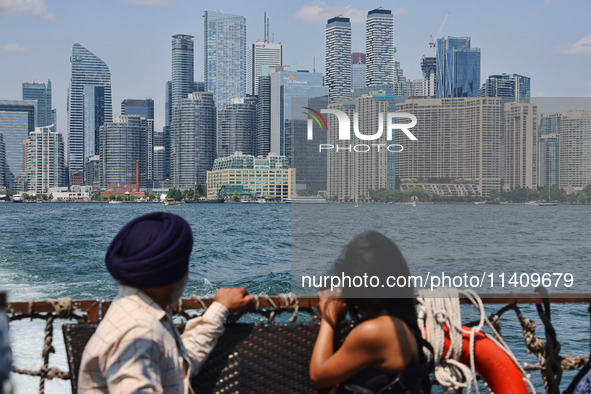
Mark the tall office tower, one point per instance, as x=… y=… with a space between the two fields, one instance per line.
x=286 y=85
x=358 y=67
x=550 y=123
x=138 y=107
x=521 y=145
x=379 y=47
x=262 y=137
x=17 y=121
x=458 y=68
x=261 y=53
x=94 y=99
x=510 y=86
x=121 y=147
x=158 y=163
x=86 y=70
x=193 y=140
x=225 y=56
x=575 y=150
x=45 y=160
x=337 y=57
x=237 y=126
x=549 y=160
x=457 y=139
x=429 y=69
x=182 y=67
x=42 y=93
x=198 y=86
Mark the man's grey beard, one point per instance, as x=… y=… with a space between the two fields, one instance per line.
x=179 y=289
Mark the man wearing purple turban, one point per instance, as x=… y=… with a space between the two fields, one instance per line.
x=136 y=347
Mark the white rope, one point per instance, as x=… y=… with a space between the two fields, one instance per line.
x=442 y=308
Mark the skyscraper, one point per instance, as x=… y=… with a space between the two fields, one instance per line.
x=194 y=140
x=225 y=56
x=236 y=127
x=94 y=117
x=521 y=145
x=358 y=70
x=458 y=68
x=139 y=107
x=86 y=70
x=337 y=57
x=379 y=47
x=262 y=137
x=45 y=160
x=549 y=160
x=261 y=53
x=17 y=121
x=182 y=67
x=575 y=150
x=511 y=86
x=2 y=162
x=429 y=69
x=42 y=93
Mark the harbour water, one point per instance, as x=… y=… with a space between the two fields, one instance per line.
x=57 y=250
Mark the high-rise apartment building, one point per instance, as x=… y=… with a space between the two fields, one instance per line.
x=458 y=68
x=86 y=70
x=521 y=145
x=575 y=150
x=92 y=172
x=139 y=107
x=549 y=160
x=429 y=69
x=122 y=145
x=224 y=56
x=261 y=53
x=17 y=121
x=379 y=47
x=182 y=67
x=193 y=140
x=94 y=117
x=237 y=126
x=550 y=123
x=337 y=57
x=262 y=137
x=358 y=70
x=45 y=160
x=42 y=93
x=511 y=86
x=457 y=138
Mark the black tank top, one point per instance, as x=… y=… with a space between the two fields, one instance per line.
x=372 y=381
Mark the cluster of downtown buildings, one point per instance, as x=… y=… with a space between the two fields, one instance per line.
x=250 y=117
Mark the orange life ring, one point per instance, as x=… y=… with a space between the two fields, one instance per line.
x=494 y=365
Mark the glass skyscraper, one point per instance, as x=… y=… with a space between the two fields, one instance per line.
x=337 y=57
x=262 y=138
x=512 y=86
x=458 y=68
x=143 y=108
x=86 y=70
x=358 y=72
x=94 y=117
x=225 y=56
x=182 y=67
x=379 y=47
x=42 y=93
x=261 y=53
x=236 y=127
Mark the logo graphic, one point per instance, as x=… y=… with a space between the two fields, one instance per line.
x=292 y=76
x=315 y=115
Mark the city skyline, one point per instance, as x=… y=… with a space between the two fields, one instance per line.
x=139 y=73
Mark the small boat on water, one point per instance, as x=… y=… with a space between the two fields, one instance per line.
x=414 y=203
x=295 y=199
x=171 y=201
x=115 y=202
x=39 y=201
x=479 y=202
x=18 y=198
x=245 y=200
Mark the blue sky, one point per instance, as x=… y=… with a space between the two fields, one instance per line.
x=549 y=41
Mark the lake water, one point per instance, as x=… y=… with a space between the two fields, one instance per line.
x=57 y=250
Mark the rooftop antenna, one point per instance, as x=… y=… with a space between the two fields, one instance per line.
x=267 y=37
x=265 y=27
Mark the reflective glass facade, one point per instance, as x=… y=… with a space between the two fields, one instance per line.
x=379 y=47
x=236 y=127
x=513 y=86
x=225 y=56
x=94 y=117
x=458 y=68
x=86 y=69
x=337 y=57
x=549 y=160
x=262 y=138
x=42 y=93
x=143 y=108
x=17 y=120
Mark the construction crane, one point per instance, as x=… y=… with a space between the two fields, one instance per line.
x=433 y=42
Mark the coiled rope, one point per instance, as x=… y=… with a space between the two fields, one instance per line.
x=441 y=308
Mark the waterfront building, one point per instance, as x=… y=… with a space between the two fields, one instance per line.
x=193 y=140
x=358 y=70
x=379 y=47
x=17 y=121
x=92 y=172
x=510 y=86
x=86 y=70
x=458 y=68
x=575 y=150
x=521 y=145
x=144 y=108
x=42 y=93
x=285 y=85
x=429 y=69
x=549 y=160
x=261 y=53
x=94 y=117
x=237 y=126
x=45 y=160
x=337 y=57
x=122 y=144
x=262 y=137
x=267 y=176
x=457 y=138
x=224 y=56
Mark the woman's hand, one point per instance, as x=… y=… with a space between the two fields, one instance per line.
x=331 y=307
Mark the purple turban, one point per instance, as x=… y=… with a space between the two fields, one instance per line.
x=151 y=251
